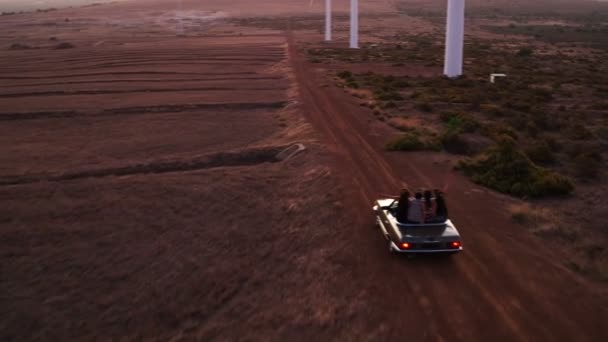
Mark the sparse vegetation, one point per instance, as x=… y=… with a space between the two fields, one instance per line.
x=496 y=130
x=45 y=10
x=303 y=22
x=460 y=122
x=424 y=106
x=591 y=256
x=595 y=36
x=541 y=222
x=533 y=105
x=415 y=139
x=507 y=169
x=525 y=215
x=525 y=52
x=63 y=46
x=587 y=165
x=19 y=46
x=540 y=153
x=345 y=74
x=453 y=142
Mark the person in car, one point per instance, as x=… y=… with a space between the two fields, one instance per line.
x=416 y=209
x=430 y=205
x=403 y=206
x=441 y=207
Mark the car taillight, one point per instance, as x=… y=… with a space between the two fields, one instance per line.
x=456 y=244
x=404 y=245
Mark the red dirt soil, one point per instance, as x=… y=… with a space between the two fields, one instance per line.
x=257 y=252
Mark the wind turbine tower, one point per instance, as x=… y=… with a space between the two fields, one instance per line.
x=327 y=20
x=180 y=24
x=354 y=24
x=454 y=39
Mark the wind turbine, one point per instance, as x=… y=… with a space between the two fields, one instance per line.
x=354 y=24
x=454 y=39
x=327 y=20
x=180 y=25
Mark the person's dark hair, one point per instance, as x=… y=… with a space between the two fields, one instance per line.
x=442 y=210
x=403 y=205
x=427 y=197
x=418 y=195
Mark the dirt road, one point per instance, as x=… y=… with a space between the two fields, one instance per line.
x=506 y=285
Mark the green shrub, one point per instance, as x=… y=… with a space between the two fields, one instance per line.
x=578 y=131
x=507 y=169
x=492 y=110
x=401 y=84
x=63 y=46
x=19 y=46
x=453 y=142
x=413 y=141
x=460 y=122
x=495 y=130
x=424 y=106
x=587 y=165
x=553 y=144
x=543 y=94
x=390 y=95
x=547 y=122
x=574 y=149
x=525 y=52
x=522 y=105
x=531 y=128
x=540 y=153
x=345 y=74
x=389 y=104
x=519 y=121
x=352 y=84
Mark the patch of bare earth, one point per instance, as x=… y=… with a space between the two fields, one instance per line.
x=142 y=191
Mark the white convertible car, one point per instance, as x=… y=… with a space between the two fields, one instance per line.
x=439 y=237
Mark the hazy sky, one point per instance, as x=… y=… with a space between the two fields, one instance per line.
x=25 y=5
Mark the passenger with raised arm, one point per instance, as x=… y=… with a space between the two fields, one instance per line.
x=430 y=206
x=416 y=211
x=442 y=209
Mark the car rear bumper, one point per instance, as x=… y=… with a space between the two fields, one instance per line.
x=396 y=249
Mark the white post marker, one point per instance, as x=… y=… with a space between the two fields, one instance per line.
x=354 y=24
x=327 y=20
x=494 y=76
x=454 y=39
